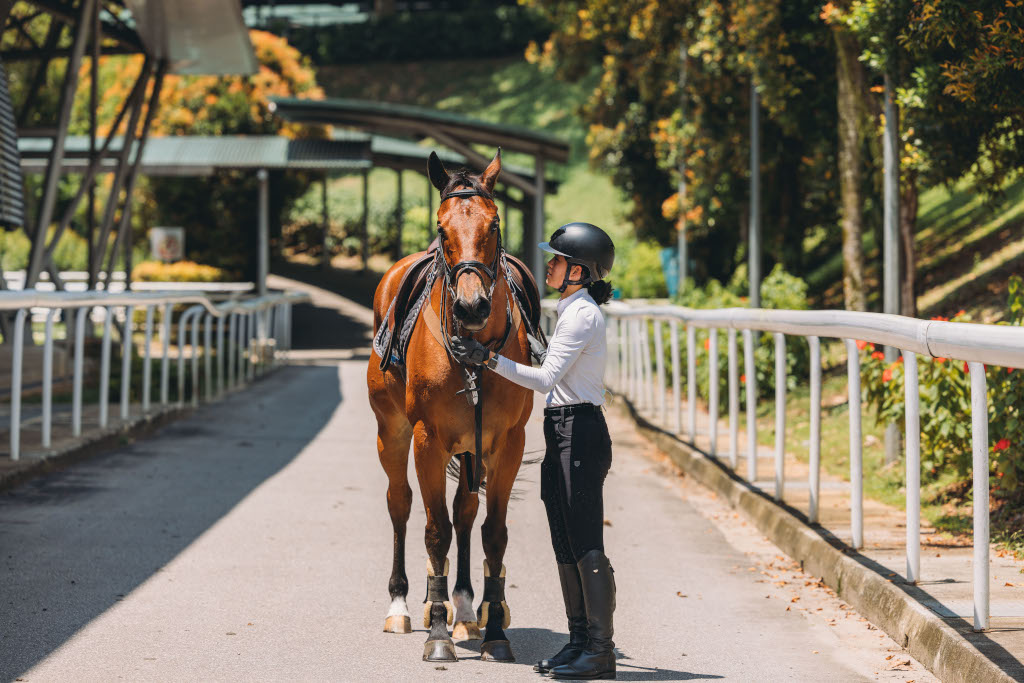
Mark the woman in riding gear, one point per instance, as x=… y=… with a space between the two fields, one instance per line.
x=578 y=452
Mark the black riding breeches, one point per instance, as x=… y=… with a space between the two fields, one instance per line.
x=576 y=461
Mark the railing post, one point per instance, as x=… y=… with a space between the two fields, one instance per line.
x=979 y=443
x=814 y=470
x=750 y=374
x=108 y=314
x=780 y=414
x=165 y=361
x=229 y=356
x=691 y=379
x=16 y=363
x=48 y=379
x=624 y=356
x=677 y=398
x=220 y=354
x=126 y=363
x=635 y=388
x=734 y=400
x=659 y=351
x=253 y=337
x=856 y=447
x=76 y=387
x=182 y=327
x=196 y=322
x=207 y=356
x=913 y=458
x=713 y=389
x=147 y=370
x=645 y=355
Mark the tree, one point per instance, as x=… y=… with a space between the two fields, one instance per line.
x=218 y=212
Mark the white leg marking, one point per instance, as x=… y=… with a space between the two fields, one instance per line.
x=399 y=608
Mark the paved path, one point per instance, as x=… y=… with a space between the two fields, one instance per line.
x=251 y=541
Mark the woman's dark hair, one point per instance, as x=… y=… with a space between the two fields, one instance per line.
x=600 y=291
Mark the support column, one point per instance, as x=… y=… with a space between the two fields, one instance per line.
x=325 y=254
x=399 y=217
x=754 y=267
x=264 y=231
x=365 y=246
x=535 y=234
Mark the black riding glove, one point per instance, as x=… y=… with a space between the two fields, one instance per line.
x=537 y=348
x=468 y=350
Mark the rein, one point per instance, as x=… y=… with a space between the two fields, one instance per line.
x=472 y=376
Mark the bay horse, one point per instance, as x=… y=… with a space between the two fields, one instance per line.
x=421 y=406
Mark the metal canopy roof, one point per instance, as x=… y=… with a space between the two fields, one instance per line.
x=183 y=155
x=195 y=36
x=419 y=122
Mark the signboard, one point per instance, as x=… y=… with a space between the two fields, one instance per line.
x=167 y=244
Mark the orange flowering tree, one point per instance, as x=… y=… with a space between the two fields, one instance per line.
x=945 y=389
x=219 y=213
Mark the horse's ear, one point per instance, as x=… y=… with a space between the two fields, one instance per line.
x=436 y=172
x=490 y=174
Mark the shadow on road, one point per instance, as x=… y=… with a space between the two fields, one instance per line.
x=76 y=542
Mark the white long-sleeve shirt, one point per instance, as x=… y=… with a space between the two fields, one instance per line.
x=573 y=370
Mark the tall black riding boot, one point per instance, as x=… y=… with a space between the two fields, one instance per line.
x=597 y=661
x=576 y=613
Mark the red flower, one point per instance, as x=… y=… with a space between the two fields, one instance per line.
x=939 y=359
x=961 y=313
x=743 y=378
x=887 y=375
x=1001 y=445
x=967 y=368
x=900 y=359
x=1009 y=371
x=878 y=355
x=861 y=344
x=939 y=317
x=707 y=344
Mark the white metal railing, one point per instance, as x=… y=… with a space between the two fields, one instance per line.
x=255 y=326
x=629 y=373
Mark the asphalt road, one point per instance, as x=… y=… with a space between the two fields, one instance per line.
x=252 y=542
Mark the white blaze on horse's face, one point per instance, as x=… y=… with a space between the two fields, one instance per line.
x=471 y=234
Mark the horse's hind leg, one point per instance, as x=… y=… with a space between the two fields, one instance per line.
x=431 y=460
x=393 y=439
x=466 y=505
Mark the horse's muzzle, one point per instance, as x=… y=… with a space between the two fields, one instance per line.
x=472 y=314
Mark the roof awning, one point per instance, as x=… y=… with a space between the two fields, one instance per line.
x=419 y=122
x=197 y=155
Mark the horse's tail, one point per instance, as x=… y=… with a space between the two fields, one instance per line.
x=454 y=469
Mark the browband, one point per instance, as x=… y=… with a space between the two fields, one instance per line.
x=468 y=192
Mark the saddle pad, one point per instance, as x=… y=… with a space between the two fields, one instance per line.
x=381 y=340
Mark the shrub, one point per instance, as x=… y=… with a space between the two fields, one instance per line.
x=945 y=390
x=181 y=271
x=642 y=277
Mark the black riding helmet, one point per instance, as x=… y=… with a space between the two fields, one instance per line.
x=584 y=245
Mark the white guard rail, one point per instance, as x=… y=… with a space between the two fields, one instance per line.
x=256 y=326
x=629 y=372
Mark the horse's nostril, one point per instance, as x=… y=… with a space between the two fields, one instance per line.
x=483 y=308
x=460 y=310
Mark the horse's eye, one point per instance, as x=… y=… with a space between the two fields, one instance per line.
x=495 y=224
x=440 y=232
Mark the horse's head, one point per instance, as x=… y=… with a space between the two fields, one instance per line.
x=470 y=238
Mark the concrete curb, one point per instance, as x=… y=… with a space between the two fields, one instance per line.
x=94 y=444
x=926 y=636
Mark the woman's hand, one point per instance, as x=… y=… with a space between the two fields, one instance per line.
x=469 y=351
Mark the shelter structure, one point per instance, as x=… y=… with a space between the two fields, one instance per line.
x=174 y=36
x=458 y=133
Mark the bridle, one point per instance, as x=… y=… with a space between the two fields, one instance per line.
x=451 y=274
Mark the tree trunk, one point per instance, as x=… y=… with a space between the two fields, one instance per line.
x=383 y=7
x=851 y=86
x=908 y=226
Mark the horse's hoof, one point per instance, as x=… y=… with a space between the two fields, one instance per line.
x=466 y=630
x=439 y=651
x=496 y=651
x=398 y=623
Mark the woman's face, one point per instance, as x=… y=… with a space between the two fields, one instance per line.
x=556 y=271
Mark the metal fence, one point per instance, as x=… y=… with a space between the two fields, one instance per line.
x=249 y=335
x=631 y=372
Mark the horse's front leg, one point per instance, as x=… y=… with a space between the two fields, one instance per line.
x=466 y=505
x=431 y=460
x=493 y=612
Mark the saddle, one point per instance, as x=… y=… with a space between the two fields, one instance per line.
x=392 y=339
